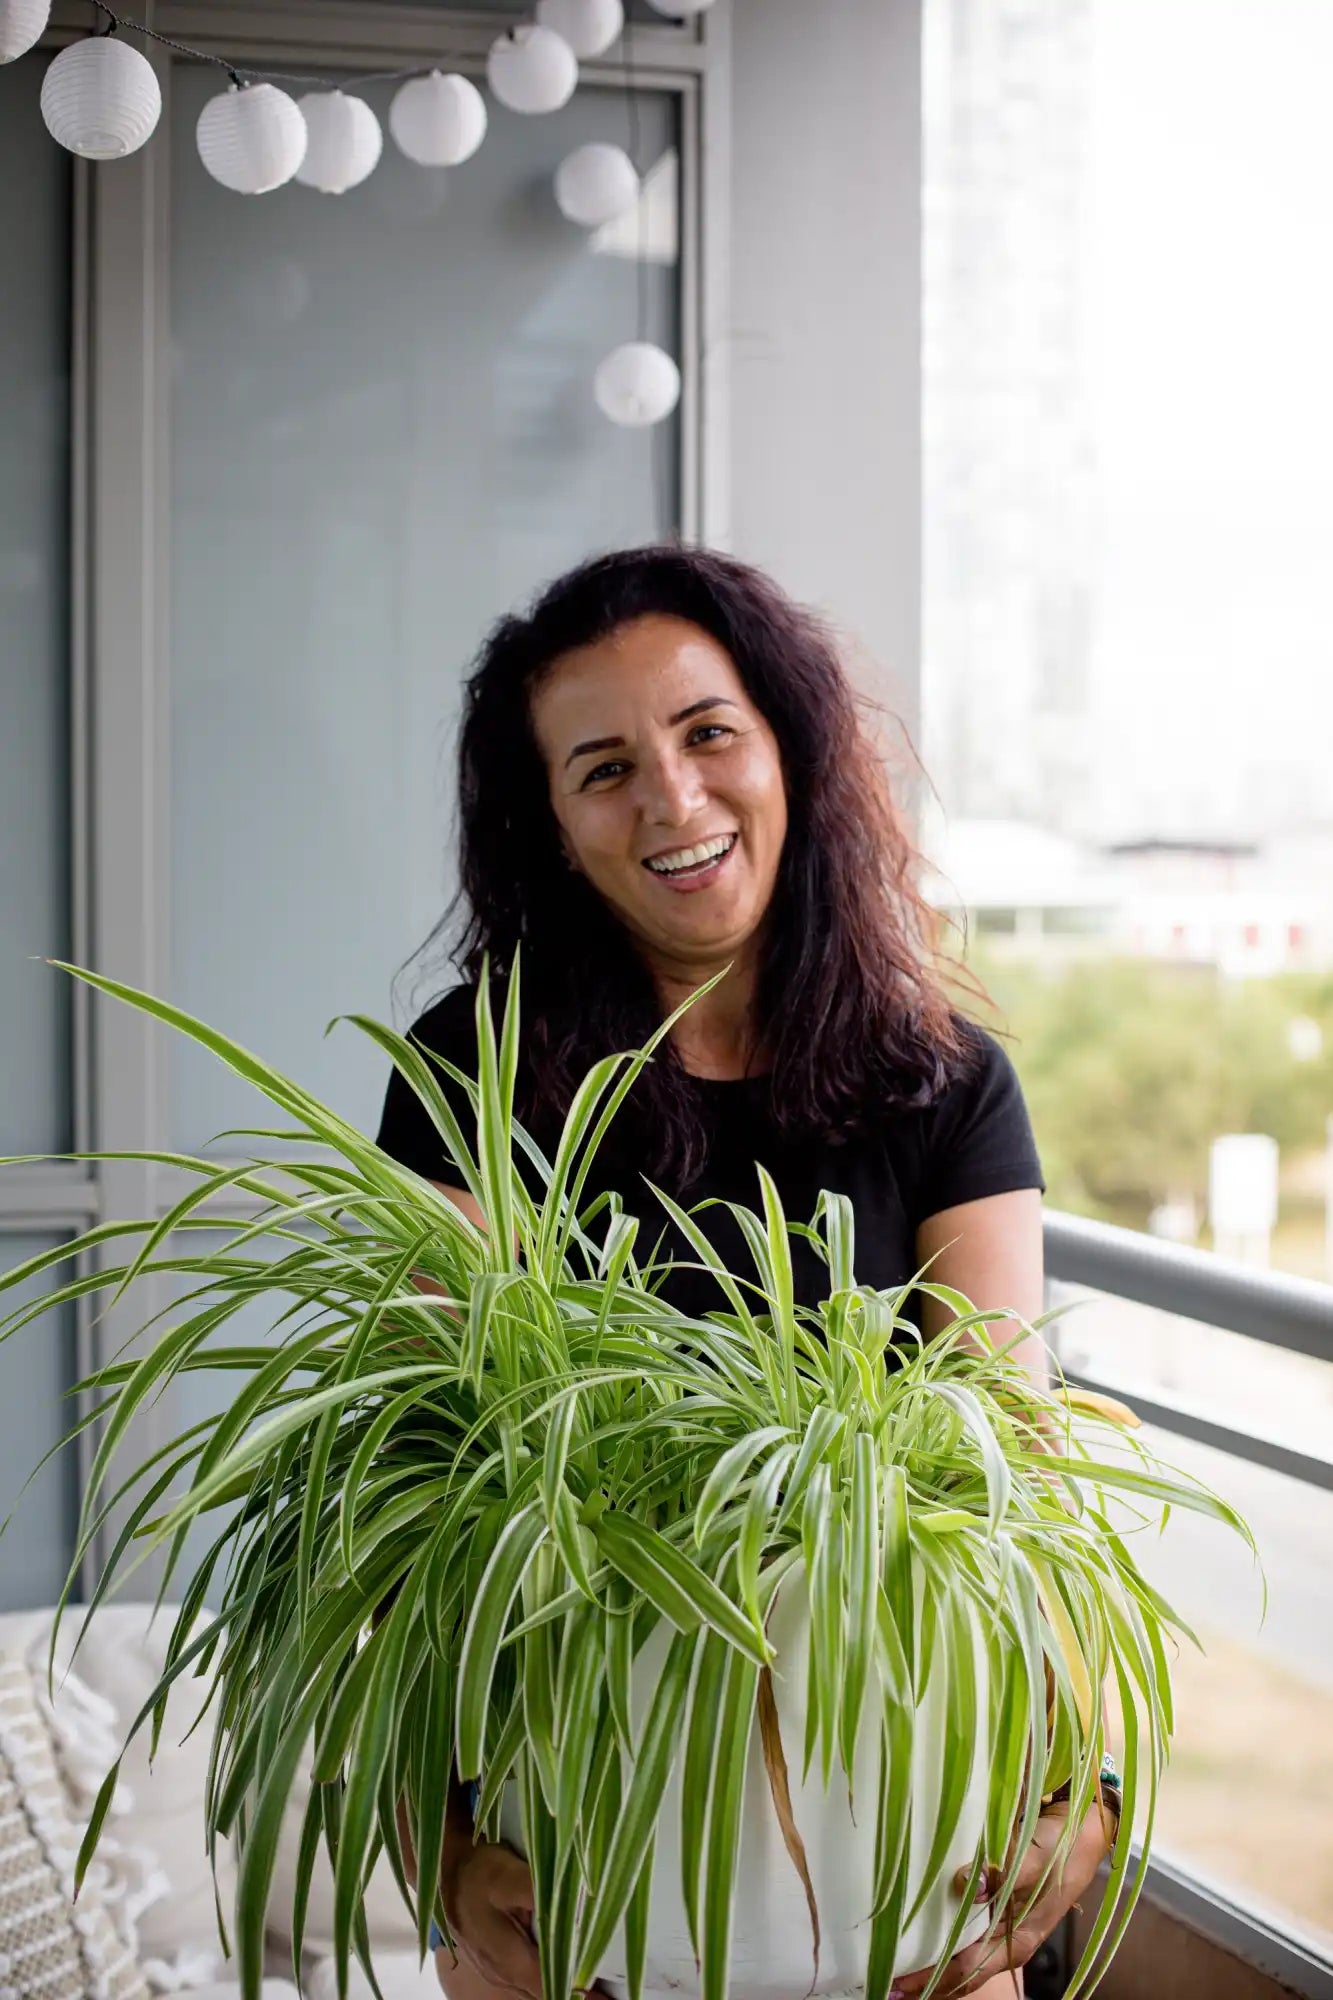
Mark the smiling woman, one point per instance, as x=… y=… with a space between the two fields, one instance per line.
x=677 y=817
x=663 y=782
x=663 y=774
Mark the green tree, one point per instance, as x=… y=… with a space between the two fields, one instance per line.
x=1132 y=1067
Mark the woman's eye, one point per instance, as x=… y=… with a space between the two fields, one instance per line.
x=611 y=769
x=709 y=732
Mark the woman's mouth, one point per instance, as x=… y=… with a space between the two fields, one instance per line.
x=687 y=868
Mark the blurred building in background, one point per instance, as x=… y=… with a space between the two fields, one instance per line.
x=1245 y=909
x=1010 y=524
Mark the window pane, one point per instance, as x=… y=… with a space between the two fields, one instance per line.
x=383 y=437
x=37 y=1365
x=1245 y=1798
x=1127 y=708
x=35 y=182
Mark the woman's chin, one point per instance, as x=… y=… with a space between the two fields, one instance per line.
x=710 y=925
x=706 y=938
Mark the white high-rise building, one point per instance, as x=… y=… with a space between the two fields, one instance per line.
x=1010 y=477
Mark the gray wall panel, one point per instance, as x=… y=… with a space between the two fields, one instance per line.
x=35 y=201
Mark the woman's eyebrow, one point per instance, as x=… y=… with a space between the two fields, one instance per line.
x=618 y=742
x=697 y=707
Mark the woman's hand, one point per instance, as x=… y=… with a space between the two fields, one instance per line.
x=487 y=1895
x=970 y=1970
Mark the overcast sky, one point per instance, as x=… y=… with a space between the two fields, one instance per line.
x=1210 y=308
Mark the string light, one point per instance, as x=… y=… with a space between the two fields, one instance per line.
x=22 y=24
x=101 y=98
x=596 y=183
x=438 y=121
x=532 y=69
x=637 y=385
x=252 y=138
x=589 y=26
x=343 y=141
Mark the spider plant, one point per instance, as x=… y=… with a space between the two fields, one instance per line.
x=443 y=1531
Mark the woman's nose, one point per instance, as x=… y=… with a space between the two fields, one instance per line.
x=671 y=791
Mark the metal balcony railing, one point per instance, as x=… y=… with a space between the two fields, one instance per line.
x=1286 y=1312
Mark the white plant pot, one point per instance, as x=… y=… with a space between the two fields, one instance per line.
x=771 y=1956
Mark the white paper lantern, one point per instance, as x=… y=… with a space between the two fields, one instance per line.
x=251 y=139
x=343 y=141
x=438 y=121
x=100 y=98
x=596 y=183
x=637 y=384
x=22 y=22
x=589 y=26
x=681 y=10
x=532 y=69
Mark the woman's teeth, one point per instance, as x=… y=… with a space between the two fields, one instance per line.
x=687 y=859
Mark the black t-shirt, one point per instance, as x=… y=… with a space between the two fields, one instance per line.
x=974 y=1140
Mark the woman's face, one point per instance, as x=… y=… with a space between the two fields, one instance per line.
x=667 y=786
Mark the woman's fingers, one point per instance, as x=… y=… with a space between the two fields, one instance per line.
x=972 y=1970
x=490 y=1909
x=991 y=1878
x=969 y=1970
x=501 y=1949
x=462 y=1977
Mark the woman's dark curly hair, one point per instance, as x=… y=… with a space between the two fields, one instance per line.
x=851 y=1018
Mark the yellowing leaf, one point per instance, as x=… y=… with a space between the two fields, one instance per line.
x=1109 y=1407
x=1060 y=1622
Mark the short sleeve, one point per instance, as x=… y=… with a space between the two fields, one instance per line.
x=406 y=1131
x=978 y=1137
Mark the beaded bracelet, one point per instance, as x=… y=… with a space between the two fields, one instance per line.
x=1109 y=1780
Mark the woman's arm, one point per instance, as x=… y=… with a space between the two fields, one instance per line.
x=461 y=1199
x=991 y=1251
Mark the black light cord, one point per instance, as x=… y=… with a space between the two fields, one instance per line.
x=659 y=471
x=241 y=75
x=636 y=155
